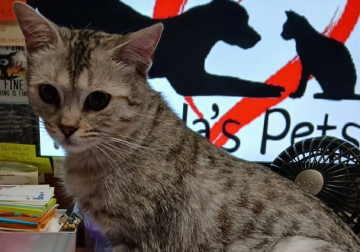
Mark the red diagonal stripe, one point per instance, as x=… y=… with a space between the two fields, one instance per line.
x=168 y=8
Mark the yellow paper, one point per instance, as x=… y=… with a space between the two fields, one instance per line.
x=25 y=154
x=58 y=164
x=24 y=150
x=10 y=34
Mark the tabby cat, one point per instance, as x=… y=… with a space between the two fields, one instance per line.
x=151 y=183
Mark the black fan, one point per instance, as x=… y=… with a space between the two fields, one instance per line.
x=329 y=168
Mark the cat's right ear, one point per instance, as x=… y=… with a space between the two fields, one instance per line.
x=290 y=14
x=37 y=30
x=138 y=51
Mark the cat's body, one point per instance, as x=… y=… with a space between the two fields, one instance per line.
x=328 y=60
x=151 y=183
x=185 y=194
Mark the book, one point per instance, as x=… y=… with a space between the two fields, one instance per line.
x=25 y=217
x=34 y=212
x=26 y=193
x=26 y=207
x=26 y=227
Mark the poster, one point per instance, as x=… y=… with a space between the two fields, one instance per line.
x=253 y=76
x=13 y=65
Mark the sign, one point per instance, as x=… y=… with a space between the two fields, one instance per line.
x=13 y=67
x=244 y=83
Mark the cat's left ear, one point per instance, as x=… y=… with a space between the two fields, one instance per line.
x=37 y=30
x=138 y=51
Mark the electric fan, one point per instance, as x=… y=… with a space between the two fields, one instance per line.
x=329 y=168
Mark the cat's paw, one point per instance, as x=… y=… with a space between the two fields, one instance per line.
x=296 y=95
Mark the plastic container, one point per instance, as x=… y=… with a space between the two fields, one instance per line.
x=101 y=243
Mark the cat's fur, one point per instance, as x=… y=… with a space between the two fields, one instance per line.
x=151 y=183
x=328 y=60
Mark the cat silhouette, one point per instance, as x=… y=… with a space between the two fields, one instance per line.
x=186 y=41
x=327 y=59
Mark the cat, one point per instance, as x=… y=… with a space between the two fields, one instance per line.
x=178 y=58
x=327 y=59
x=149 y=182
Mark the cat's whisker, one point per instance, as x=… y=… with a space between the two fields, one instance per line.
x=111 y=159
x=108 y=134
x=87 y=26
x=124 y=142
x=129 y=143
x=147 y=116
x=133 y=147
x=118 y=149
x=28 y=135
x=36 y=138
x=112 y=149
x=46 y=140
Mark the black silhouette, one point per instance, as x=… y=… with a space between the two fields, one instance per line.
x=328 y=60
x=6 y=63
x=185 y=43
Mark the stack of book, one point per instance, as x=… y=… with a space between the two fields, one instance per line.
x=26 y=207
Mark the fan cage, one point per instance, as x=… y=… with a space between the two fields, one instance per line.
x=338 y=162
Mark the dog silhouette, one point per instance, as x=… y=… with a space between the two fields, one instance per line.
x=328 y=60
x=186 y=41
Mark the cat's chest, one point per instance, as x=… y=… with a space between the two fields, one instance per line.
x=81 y=184
x=308 y=52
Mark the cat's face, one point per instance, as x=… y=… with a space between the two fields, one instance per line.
x=78 y=104
x=85 y=85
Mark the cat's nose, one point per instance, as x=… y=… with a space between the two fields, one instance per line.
x=67 y=130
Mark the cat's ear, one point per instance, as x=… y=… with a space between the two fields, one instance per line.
x=138 y=51
x=290 y=14
x=37 y=30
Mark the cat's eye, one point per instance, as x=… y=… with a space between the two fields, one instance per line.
x=97 y=101
x=49 y=94
x=4 y=62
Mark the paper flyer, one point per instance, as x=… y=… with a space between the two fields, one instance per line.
x=13 y=67
x=58 y=164
x=10 y=33
x=25 y=154
x=12 y=173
